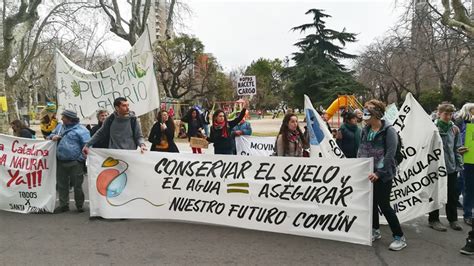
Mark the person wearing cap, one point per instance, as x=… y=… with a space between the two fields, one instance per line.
x=48 y=122
x=450 y=135
x=121 y=130
x=379 y=140
x=348 y=135
x=71 y=138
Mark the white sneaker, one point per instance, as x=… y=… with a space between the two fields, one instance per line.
x=398 y=243
x=376 y=234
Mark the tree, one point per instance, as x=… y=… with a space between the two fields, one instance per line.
x=456 y=16
x=317 y=71
x=130 y=30
x=175 y=64
x=22 y=38
x=270 y=84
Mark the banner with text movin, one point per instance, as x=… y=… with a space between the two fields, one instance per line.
x=420 y=184
x=329 y=199
x=131 y=77
x=255 y=146
x=28 y=171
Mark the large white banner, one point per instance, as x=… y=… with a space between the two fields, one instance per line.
x=327 y=198
x=321 y=141
x=421 y=183
x=28 y=175
x=255 y=146
x=132 y=77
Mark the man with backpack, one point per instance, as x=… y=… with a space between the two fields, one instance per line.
x=121 y=130
x=450 y=136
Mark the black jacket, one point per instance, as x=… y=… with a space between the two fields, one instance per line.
x=155 y=137
x=101 y=143
x=224 y=145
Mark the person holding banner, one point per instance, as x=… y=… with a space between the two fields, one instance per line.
x=195 y=126
x=451 y=138
x=466 y=177
x=221 y=131
x=290 y=140
x=162 y=134
x=71 y=138
x=379 y=140
x=121 y=130
x=348 y=135
x=21 y=130
x=242 y=129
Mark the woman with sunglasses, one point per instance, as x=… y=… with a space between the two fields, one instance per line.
x=379 y=140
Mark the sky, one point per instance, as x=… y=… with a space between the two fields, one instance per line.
x=238 y=32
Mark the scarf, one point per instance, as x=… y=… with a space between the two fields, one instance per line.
x=293 y=136
x=443 y=126
x=223 y=126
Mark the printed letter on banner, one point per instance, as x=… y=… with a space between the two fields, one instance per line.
x=27 y=175
x=420 y=184
x=132 y=77
x=327 y=198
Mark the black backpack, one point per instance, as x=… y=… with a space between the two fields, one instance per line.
x=133 y=123
x=398 y=153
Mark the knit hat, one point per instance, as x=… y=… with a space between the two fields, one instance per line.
x=69 y=113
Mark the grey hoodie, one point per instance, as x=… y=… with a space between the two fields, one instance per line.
x=118 y=130
x=451 y=144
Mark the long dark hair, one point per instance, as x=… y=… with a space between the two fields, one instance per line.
x=169 y=123
x=216 y=113
x=19 y=125
x=284 y=131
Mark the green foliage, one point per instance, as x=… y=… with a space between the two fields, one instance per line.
x=318 y=72
x=270 y=86
x=430 y=99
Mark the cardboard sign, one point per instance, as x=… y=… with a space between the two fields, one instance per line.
x=198 y=143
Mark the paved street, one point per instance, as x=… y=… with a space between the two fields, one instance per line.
x=71 y=238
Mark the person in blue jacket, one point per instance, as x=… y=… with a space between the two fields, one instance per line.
x=242 y=129
x=71 y=138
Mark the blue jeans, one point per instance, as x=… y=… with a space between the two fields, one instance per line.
x=468 y=196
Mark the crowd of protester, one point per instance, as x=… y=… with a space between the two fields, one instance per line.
x=363 y=134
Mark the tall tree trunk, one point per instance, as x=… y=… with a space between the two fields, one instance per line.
x=11 y=99
x=447 y=92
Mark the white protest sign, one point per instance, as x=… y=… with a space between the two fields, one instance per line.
x=391 y=113
x=132 y=77
x=321 y=141
x=420 y=185
x=327 y=198
x=28 y=171
x=255 y=146
x=247 y=85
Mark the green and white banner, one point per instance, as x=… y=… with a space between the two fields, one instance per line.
x=131 y=77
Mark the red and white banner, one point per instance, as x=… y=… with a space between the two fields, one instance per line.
x=27 y=175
